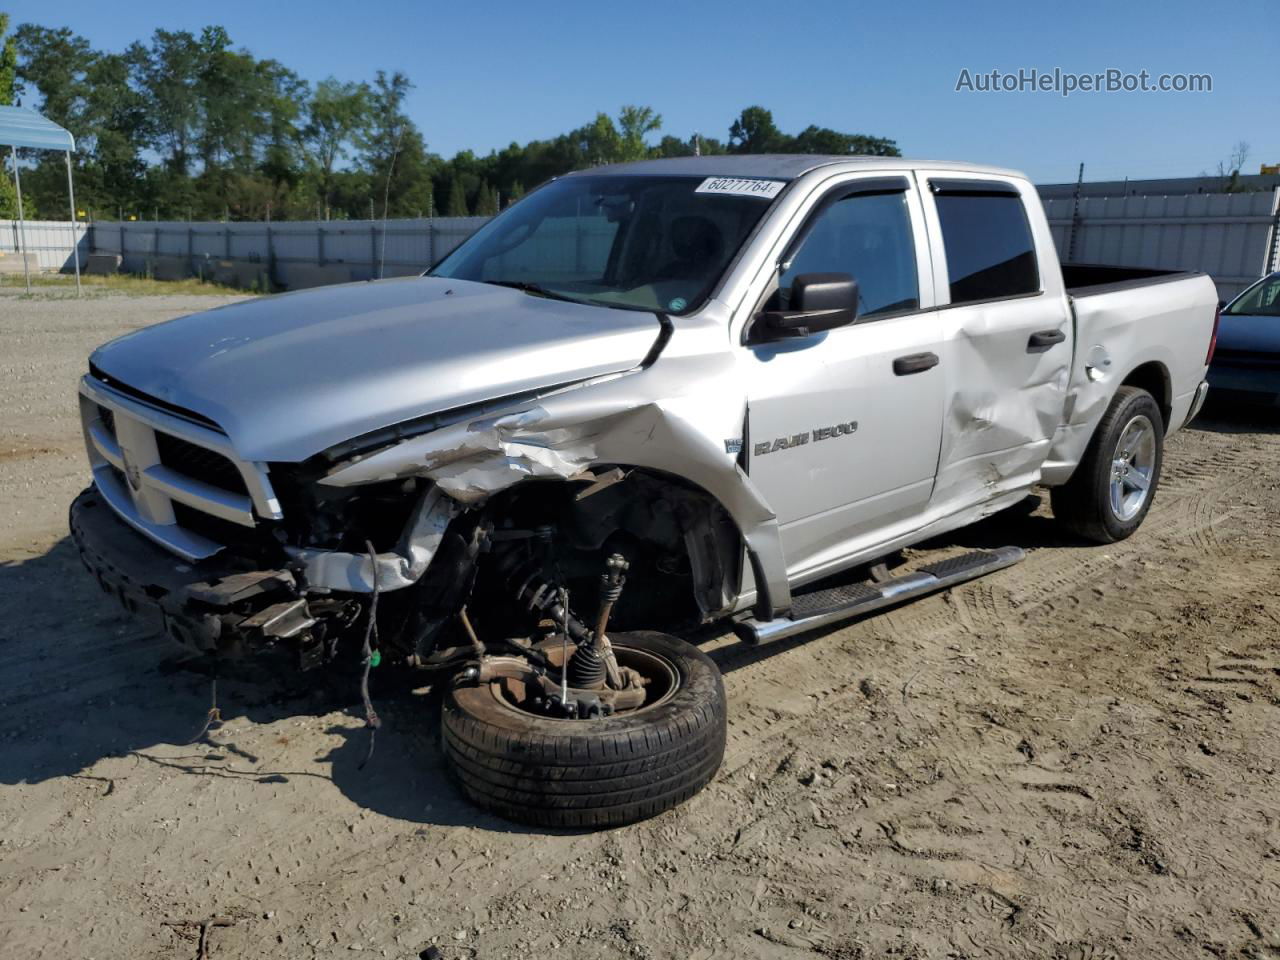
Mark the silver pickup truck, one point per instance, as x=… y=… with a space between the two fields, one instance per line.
x=645 y=397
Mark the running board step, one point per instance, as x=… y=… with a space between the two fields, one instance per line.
x=809 y=611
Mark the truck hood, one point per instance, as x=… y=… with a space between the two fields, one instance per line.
x=291 y=375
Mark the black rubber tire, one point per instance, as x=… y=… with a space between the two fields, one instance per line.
x=590 y=773
x=1083 y=503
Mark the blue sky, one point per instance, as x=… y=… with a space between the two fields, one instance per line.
x=490 y=73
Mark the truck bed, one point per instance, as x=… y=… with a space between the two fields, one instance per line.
x=1155 y=322
x=1091 y=279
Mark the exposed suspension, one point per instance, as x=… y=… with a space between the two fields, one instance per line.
x=593 y=661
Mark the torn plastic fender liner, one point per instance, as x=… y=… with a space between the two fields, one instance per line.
x=354 y=572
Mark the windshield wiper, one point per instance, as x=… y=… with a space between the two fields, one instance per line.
x=536 y=289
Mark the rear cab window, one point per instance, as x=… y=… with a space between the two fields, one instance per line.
x=986 y=236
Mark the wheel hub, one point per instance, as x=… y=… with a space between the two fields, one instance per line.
x=651 y=679
x=1133 y=468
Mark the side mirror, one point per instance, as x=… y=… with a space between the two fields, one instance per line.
x=819 y=301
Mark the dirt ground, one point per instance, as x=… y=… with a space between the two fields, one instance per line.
x=1076 y=757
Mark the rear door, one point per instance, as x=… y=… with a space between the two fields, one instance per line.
x=1006 y=334
x=844 y=425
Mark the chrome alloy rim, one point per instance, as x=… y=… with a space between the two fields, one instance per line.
x=1133 y=467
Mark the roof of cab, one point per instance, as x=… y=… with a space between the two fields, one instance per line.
x=776 y=166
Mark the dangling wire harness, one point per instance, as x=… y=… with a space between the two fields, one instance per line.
x=371 y=658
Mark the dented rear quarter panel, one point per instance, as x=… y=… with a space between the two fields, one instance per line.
x=1118 y=331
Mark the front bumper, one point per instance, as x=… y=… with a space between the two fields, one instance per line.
x=214 y=605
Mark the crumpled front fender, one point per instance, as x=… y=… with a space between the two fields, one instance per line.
x=693 y=433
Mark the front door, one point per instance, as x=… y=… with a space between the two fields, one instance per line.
x=844 y=426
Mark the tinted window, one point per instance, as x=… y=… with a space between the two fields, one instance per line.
x=988 y=244
x=869 y=237
x=1262 y=300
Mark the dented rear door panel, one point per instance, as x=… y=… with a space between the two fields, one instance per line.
x=1004 y=391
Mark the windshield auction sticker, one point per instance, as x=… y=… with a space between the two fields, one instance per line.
x=738 y=187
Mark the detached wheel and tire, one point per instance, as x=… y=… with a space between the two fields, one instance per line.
x=593 y=773
x=1108 y=496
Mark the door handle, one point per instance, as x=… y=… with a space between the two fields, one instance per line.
x=915 y=363
x=1044 y=340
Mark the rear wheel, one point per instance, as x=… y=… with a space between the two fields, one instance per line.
x=1108 y=496
x=600 y=772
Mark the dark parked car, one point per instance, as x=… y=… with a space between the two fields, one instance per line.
x=1247 y=359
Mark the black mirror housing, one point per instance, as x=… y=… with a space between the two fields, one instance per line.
x=819 y=301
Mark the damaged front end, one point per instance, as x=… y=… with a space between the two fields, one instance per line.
x=495 y=512
x=227 y=606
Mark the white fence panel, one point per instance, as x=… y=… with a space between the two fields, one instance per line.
x=1230 y=236
x=49 y=243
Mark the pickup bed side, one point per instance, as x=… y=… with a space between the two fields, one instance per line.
x=1145 y=328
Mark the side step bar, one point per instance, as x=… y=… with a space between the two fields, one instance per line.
x=809 y=611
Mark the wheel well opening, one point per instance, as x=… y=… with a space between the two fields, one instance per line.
x=1153 y=378
x=684 y=550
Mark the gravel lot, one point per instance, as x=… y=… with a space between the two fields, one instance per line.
x=1076 y=757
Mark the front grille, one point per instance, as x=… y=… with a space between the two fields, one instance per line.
x=215 y=528
x=176 y=481
x=200 y=463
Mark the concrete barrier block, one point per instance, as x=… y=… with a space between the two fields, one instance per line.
x=170 y=268
x=102 y=264
x=240 y=273
x=12 y=263
x=301 y=276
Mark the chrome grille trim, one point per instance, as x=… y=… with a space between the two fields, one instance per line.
x=146 y=500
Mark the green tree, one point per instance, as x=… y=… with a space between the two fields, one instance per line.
x=186 y=124
x=486 y=201
x=8 y=62
x=8 y=84
x=55 y=61
x=600 y=141
x=822 y=140
x=109 y=165
x=634 y=124
x=457 y=203
x=393 y=151
x=168 y=72
x=755 y=132
x=697 y=144
x=336 y=115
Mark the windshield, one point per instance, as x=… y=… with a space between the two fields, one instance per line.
x=632 y=242
x=1262 y=299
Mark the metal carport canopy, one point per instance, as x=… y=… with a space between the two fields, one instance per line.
x=28 y=129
